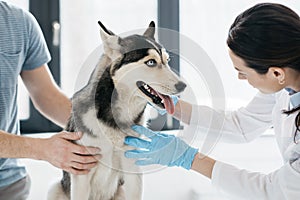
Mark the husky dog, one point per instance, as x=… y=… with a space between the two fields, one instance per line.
x=132 y=72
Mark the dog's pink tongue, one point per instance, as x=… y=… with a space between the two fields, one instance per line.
x=168 y=103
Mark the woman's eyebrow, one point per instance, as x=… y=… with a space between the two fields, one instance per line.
x=237 y=69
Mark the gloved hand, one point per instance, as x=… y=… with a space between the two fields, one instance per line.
x=163 y=149
x=163 y=111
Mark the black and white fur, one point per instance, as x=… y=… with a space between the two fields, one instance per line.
x=106 y=108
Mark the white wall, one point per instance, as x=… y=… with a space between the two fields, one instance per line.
x=207 y=23
x=80 y=30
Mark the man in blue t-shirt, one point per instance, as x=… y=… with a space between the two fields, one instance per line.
x=23 y=52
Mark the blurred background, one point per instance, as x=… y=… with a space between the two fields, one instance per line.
x=72 y=34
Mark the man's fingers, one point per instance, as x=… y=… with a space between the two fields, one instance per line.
x=76 y=148
x=77 y=171
x=81 y=166
x=86 y=159
x=70 y=135
x=82 y=150
x=72 y=157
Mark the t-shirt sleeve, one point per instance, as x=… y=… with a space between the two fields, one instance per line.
x=37 y=53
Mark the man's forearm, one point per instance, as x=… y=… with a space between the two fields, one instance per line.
x=56 y=107
x=59 y=150
x=15 y=146
x=46 y=95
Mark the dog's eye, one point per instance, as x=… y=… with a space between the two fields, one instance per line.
x=151 y=63
x=168 y=59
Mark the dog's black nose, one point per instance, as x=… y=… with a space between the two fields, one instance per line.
x=180 y=86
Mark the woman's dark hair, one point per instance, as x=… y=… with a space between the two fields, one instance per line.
x=267 y=35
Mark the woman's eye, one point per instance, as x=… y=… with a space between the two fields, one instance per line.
x=151 y=63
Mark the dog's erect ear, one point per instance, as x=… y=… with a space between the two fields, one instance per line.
x=150 y=30
x=105 y=33
x=110 y=41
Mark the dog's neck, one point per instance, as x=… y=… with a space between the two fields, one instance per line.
x=114 y=105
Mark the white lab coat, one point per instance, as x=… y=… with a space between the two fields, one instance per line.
x=244 y=125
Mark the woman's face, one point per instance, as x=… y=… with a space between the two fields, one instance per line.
x=266 y=83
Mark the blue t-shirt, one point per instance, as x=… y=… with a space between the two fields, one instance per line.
x=22 y=47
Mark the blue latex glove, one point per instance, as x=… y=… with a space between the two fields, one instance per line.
x=163 y=111
x=163 y=149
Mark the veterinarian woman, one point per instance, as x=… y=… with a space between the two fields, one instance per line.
x=23 y=51
x=264 y=46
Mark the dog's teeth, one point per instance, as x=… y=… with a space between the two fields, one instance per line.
x=162 y=101
x=146 y=87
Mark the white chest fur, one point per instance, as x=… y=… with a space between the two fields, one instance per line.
x=113 y=166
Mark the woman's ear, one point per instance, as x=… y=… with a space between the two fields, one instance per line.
x=278 y=73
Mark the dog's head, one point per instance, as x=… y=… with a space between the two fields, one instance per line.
x=140 y=65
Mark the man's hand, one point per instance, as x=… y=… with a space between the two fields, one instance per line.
x=60 y=151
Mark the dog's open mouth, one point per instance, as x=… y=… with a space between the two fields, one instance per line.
x=161 y=100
